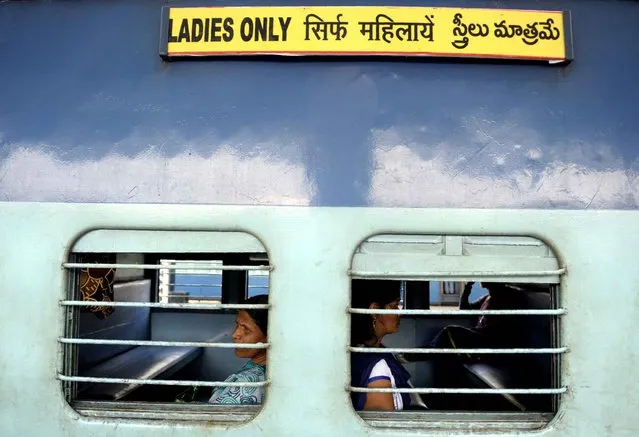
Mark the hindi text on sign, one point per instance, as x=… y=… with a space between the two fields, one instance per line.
x=387 y=29
x=315 y=25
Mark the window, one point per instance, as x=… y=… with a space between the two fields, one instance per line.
x=258 y=282
x=456 y=328
x=191 y=281
x=149 y=317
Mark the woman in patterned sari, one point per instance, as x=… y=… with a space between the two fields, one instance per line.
x=250 y=327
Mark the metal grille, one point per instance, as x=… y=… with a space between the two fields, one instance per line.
x=70 y=342
x=360 y=274
x=554 y=313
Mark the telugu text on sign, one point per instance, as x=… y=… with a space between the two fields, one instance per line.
x=367 y=30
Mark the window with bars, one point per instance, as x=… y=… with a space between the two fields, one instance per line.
x=201 y=281
x=148 y=333
x=456 y=328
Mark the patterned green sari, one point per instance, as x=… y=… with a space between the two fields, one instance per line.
x=242 y=395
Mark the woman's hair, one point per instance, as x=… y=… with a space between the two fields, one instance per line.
x=260 y=317
x=365 y=292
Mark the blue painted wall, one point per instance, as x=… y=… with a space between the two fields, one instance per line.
x=90 y=112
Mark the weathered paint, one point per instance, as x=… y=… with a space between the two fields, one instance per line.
x=310 y=294
x=89 y=112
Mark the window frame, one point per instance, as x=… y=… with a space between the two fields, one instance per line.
x=101 y=239
x=467 y=420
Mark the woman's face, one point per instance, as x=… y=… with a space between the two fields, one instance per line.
x=247 y=331
x=388 y=323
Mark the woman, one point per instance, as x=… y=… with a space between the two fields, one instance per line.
x=250 y=327
x=379 y=369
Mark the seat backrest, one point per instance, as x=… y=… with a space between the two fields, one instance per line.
x=124 y=324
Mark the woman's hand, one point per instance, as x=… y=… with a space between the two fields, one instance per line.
x=379 y=401
x=464 y=302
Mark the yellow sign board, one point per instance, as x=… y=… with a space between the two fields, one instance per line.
x=367 y=30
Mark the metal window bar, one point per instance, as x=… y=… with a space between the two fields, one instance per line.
x=399 y=350
x=177 y=284
x=521 y=391
x=67 y=340
x=455 y=274
x=215 y=269
x=70 y=352
x=67 y=350
x=554 y=312
x=81 y=303
x=70 y=358
x=161 y=381
x=177 y=293
x=556 y=339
